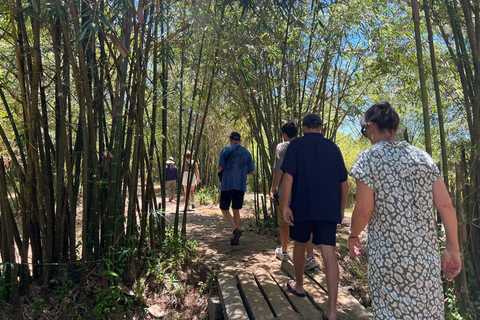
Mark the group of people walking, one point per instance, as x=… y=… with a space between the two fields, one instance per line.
x=398 y=187
x=190 y=178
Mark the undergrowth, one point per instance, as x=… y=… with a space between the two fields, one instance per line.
x=173 y=274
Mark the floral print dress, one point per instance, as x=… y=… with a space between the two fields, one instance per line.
x=404 y=265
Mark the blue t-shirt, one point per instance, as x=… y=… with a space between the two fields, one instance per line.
x=171 y=174
x=318 y=171
x=239 y=164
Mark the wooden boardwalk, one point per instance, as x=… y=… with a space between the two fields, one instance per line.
x=263 y=295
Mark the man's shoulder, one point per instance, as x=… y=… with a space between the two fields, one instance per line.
x=282 y=146
x=246 y=152
x=298 y=141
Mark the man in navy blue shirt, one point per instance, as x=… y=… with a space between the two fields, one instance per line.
x=316 y=179
x=171 y=178
x=236 y=163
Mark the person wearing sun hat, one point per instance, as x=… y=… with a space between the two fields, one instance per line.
x=171 y=178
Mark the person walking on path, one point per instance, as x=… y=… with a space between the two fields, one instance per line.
x=289 y=132
x=316 y=179
x=398 y=186
x=236 y=163
x=171 y=178
x=190 y=168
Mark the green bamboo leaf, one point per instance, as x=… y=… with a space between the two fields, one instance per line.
x=95 y=26
x=105 y=22
x=82 y=34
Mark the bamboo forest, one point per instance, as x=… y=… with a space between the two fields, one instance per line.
x=97 y=96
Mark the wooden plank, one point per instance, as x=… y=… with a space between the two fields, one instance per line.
x=314 y=292
x=255 y=302
x=302 y=305
x=232 y=302
x=347 y=306
x=282 y=308
x=347 y=302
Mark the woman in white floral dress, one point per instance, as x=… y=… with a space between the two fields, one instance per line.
x=398 y=186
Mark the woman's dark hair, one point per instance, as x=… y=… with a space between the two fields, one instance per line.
x=383 y=115
x=290 y=129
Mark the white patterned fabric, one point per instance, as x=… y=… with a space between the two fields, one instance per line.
x=404 y=265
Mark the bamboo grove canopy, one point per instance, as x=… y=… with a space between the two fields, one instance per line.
x=96 y=95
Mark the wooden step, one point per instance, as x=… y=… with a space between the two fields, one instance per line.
x=255 y=303
x=282 y=308
x=232 y=303
x=301 y=305
x=347 y=306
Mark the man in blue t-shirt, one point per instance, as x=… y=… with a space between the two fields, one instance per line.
x=316 y=178
x=236 y=163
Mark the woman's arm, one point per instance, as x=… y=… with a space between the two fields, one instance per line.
x=451 y=260
x=197 y=173
x=364 y=204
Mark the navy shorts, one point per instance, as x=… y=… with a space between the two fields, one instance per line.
x=324 y=232
x=235 y=197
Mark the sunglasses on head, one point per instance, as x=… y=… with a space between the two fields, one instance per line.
x=364 y=129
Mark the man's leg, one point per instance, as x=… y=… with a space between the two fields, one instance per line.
x=284 y=227
x=284 y=232
x=236 y=217
x=171 y=187
x=332 y=273
x=299 y=264
x=229 y=218
x=309 y=248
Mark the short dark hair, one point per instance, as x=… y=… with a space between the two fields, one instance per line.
x=383 y=115
x=235 y=136
x=312 y=121
x=290 y=129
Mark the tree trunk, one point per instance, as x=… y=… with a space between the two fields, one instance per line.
x=421 y=72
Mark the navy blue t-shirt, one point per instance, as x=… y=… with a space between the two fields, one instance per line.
x=171 y=174
x=318 y=171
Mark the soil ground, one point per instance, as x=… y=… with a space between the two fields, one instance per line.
x=256 y=250
x=207 y=227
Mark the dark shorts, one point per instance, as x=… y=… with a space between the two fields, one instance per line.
x=324 y=232
x=235 y=197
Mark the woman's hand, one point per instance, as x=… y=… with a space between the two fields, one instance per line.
x=451 y=263
x=353 y=244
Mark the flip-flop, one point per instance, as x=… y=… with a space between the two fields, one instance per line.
x=289 y=287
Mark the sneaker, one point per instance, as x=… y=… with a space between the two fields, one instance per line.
x=280 y=255
x=234 y=240
x=310 y=263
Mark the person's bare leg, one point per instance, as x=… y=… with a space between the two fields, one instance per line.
x=192 y=195
x=299 y=264
x=284 y=233
x=185 y=193
x=236 y=217
x=332 y=273
x=309 y=252
x=228 y=217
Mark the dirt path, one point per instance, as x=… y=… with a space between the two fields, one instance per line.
x=207 y=226
x=256 y=249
